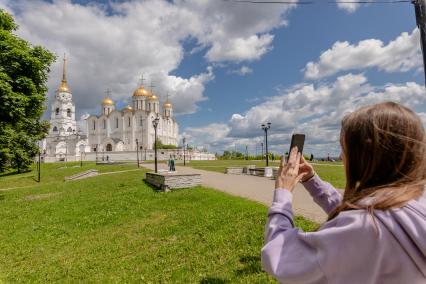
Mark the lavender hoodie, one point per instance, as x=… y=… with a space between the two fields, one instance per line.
x=347 y=249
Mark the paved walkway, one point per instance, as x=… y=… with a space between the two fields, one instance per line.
x=255 y=188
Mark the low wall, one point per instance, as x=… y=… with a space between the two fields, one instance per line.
x=166 y=181
x=162 y=155
x=234 y=171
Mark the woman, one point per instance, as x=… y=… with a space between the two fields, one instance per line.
x=376 y=231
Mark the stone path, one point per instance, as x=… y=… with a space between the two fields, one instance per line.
x=255 y=188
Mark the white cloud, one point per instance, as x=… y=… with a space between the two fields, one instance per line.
x=314 y=109
x=111 y=45
x=400 y=55
x=240 y=49
x=349 y=7
x=244 y=70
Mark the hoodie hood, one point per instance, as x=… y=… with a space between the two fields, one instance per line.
x=408 y=226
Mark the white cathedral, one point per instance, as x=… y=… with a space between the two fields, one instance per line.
x=113 y=131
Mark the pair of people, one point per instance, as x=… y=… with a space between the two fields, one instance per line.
x=376 y=228
x=171 y=164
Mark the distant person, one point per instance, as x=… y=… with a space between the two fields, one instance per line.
x=376 y=230
x=328 y=157
x=107 y=158
x=173 y=164
x=312 y=157
x=169 y=163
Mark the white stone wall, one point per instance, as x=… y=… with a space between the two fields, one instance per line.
x=162 y=155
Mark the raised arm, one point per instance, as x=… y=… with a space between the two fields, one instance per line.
x=294 y=257
x=323 y=193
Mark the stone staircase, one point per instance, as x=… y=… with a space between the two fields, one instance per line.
x=82 y=175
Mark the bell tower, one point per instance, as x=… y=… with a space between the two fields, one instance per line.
x=62 y=118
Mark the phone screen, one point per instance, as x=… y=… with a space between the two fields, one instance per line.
x=299 y=141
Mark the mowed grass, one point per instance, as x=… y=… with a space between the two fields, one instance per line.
x=332 y=172
x=115 y=228
x=54 y=172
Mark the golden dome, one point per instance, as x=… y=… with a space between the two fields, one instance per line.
x=141 y=92
x=167 y=105
x=153 y=98
x=107 y=101
x=128 y=108
x=63 y=88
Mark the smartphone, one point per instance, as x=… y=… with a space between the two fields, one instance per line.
x=299 y=141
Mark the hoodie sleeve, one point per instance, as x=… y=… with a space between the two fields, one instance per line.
x=323 y=193
x=293 y=256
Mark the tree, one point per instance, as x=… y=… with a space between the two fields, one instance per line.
x=160 y=145
x=24 y=72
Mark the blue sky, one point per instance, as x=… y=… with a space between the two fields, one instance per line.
x=231 y=66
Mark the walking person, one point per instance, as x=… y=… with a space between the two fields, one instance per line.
x=169 y=164
x=376 y=229
x=172 y=162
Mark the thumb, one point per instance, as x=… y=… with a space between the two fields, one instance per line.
x=300 y=177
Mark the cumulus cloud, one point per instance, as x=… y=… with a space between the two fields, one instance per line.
x=314 y=109
x=399 y=55
x=111 y=45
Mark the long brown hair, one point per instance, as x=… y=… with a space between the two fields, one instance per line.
x=384 y=146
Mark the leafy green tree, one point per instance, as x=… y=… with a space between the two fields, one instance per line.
x=24 y=72
x=160 y=145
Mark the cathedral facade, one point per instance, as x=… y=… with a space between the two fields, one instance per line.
x=132 y=127
x=119 y=134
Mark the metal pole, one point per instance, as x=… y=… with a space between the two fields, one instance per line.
x=420 y=9
x=184 y=152
x=155 y=147
x=137 y=151
x=246 y=152
x=39 y=164
x=261 y=144
x=267 y=153
x=81 y=159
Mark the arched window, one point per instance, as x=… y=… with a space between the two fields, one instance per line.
x=104 y=123
x=69 y=112
x=129 y=121
x=116 y=123
x=94 y=125
x=55 y=129
x=109 y=147
x=141 y=122
x=57 y=111
x=69 y=129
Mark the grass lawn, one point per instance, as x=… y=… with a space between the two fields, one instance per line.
x=115 y=228
x=331 y=172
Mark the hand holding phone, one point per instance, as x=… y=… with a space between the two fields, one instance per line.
x=299 y=141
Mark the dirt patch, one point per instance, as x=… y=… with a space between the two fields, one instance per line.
x=43 y=196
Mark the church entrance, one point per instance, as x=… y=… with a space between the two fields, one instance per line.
x=109 y=147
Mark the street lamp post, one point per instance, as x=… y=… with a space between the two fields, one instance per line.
x=261 y=144
x=39 y=162
x=137 y=151
x=81 y=158
x=155 y=124
x=420 y=10
x=96 y=151
x=265 y=128
x=184 y=152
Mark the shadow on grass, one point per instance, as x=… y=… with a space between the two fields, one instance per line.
x=251 y=265
x=154 y=188
x=213 y=280
x=12 y=173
